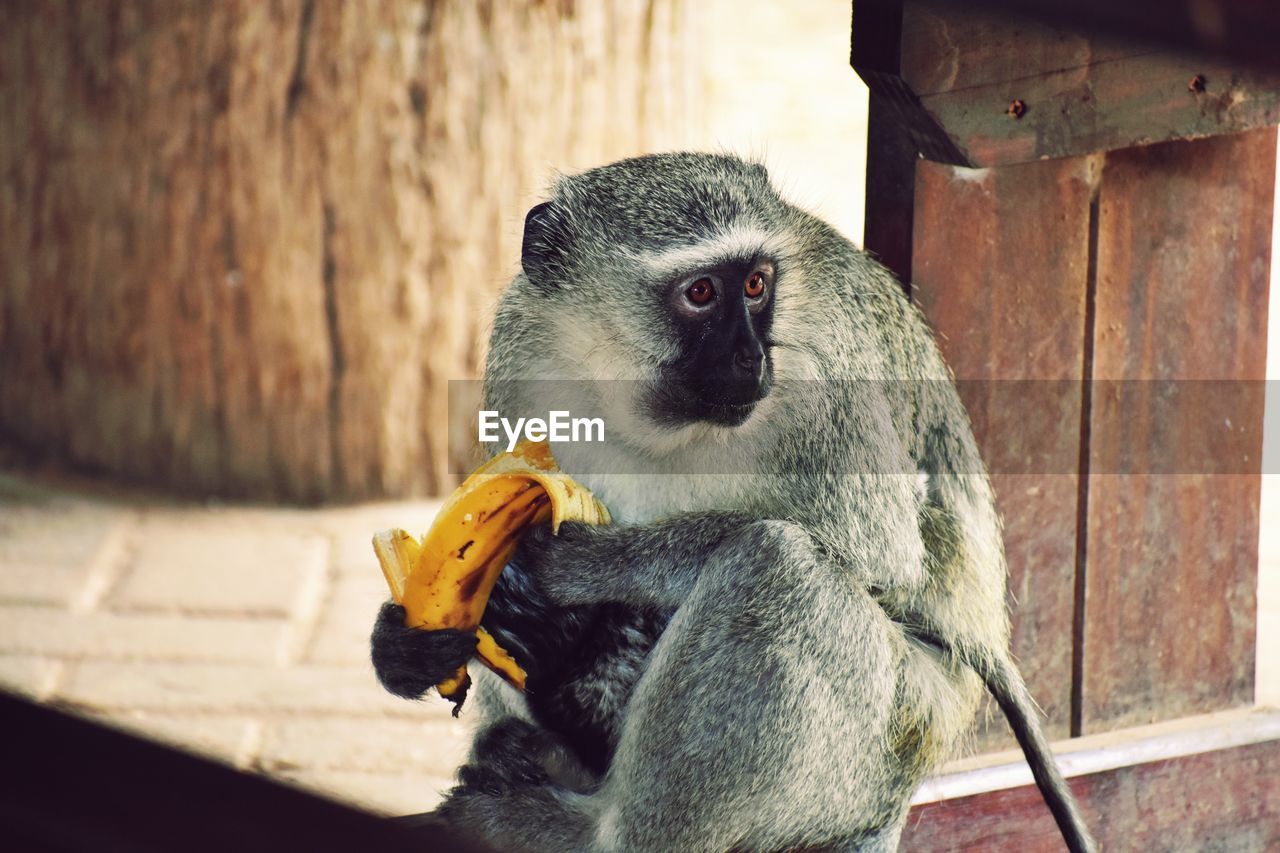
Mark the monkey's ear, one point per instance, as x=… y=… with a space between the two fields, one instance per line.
x=540 y=252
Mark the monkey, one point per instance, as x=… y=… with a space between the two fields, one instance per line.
x=802 y=596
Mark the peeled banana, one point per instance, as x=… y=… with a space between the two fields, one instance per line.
x=444 y=580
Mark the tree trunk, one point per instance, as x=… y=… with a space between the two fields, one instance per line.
x=244 y=246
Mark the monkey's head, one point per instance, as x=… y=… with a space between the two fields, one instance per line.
x=667 y=270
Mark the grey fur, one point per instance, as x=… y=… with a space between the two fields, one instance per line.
x=791 y=701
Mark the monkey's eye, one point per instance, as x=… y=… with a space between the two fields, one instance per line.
x=754 y=287
x=700 y=292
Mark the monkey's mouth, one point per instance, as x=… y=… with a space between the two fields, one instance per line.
x=729 y=404
x=727 y=414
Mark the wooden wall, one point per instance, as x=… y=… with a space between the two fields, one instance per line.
x=1131 y=521
x=1100 y=294
x=1005 y=293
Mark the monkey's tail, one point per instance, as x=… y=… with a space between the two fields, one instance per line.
x=1010 y=692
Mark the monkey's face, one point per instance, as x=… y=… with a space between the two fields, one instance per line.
x=660 y=273
x=718 y=316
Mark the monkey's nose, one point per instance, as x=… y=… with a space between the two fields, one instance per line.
x=748 y=360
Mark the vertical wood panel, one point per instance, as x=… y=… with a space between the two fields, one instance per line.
x=891 y=164
x=1183 y=264
x=1001 y=261
x=891 y=153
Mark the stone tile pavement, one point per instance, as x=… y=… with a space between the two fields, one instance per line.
x=240 y=633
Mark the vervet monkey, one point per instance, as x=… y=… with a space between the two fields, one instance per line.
x=766 y=652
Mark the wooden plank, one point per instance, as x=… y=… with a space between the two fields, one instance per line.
x=1183 y=265
x=1226 y=799
x=1104 y=105
x=958 y=75
x=890 y=195
x=1245 y=30
x=1000 y=268
x=891 y=150
x=1097 y=753
x=948 y=47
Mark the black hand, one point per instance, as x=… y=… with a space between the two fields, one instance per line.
x=410 y=661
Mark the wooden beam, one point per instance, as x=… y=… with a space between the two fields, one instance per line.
x=889 y=220
x=1191 y=784
x=987 y=88
x=1104 y=105
x=1245 y=30
x=892 y=148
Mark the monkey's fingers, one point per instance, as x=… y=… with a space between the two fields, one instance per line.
x=445 y=580
x=455 y=688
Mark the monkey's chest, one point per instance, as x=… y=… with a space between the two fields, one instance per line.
x=582 y=662
x=583 y=696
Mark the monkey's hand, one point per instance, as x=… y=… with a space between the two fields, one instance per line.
x=410 y=661
x=653 y=565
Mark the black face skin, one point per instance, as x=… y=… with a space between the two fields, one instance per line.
x=722 y=316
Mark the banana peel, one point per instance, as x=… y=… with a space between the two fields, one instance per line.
x=444 y=580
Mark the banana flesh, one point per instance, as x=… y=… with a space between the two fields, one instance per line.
x=444 y=580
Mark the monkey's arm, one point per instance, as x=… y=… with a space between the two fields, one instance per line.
x=812 y=684
x=653 y=565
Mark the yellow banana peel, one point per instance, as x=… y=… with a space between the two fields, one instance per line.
x=444 y=580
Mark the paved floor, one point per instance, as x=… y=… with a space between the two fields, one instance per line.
x=241 y=633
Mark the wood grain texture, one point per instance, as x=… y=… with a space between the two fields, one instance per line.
x=1105 y=105
x=1223 y=800
x=958 y=71
x=1244 y=30
x=1000 y=268
x=946 y=47
x=1183 y=267
x=244 y=246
